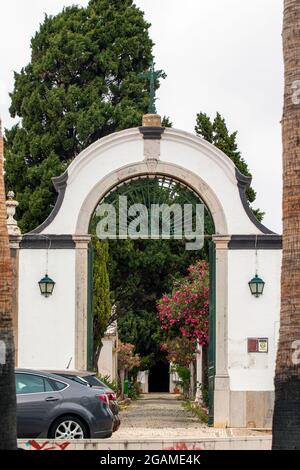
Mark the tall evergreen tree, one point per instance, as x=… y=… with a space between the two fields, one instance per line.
x=81 y=84
x=101 y=295
x=216 y=132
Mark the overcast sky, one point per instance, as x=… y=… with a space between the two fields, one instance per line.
x=219 y=55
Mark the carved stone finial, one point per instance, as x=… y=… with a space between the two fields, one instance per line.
x=11 y=206
x=151 y=120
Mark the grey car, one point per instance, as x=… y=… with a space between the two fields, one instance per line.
x=90 y=379
x=49 y=406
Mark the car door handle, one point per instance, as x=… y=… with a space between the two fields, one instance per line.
x=51 y=399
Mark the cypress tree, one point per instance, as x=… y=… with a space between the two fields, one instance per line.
x=101 y=295
x=216 y=132
x=82 y=83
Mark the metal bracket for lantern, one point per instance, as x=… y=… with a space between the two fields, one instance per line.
x=257 y=284
x=46 y=284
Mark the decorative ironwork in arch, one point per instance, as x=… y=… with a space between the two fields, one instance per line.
x=160 y=190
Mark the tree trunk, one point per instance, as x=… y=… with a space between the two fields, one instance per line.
x=7 y=377
x=96 y=355
x=286 y=420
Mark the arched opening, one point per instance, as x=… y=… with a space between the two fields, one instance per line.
x=132 y=260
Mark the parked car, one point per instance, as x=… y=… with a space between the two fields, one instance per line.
x=51 y=406
x=91 y=380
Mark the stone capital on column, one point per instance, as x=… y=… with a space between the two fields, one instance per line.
x=14 y=241
x=221 y=241
x=82 y=241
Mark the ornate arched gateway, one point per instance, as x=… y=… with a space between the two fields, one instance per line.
x=53 y=331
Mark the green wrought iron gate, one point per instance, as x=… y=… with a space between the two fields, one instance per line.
x=90 y=308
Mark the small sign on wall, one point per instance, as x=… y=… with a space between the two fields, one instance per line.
x=258 y=345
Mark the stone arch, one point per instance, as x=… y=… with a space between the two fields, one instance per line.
x=133 y=171
x=133 y=152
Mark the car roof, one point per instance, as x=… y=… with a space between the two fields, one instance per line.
x=79 y=373
x=32 y=371
x=52 y=375
x=43 y=373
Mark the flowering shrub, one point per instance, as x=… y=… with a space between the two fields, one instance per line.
x=185 y=312
x=180 y=351
x=127 y=360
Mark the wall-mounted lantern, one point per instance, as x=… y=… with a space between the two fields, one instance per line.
x=46 y=286
x=256 y=286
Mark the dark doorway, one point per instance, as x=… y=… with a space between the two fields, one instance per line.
x=159 y=378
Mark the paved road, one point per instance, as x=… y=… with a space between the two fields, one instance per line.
x=157 y=415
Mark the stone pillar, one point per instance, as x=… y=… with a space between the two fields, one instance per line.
x=15 y=238
x=222 y=385
x=14 y=243
x=81 y=296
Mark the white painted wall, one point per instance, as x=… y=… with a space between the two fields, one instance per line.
x=46 y=325
x=143 y=380
x=249 y=316
x=107 y=364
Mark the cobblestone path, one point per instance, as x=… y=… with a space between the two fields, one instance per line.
x=157 y=415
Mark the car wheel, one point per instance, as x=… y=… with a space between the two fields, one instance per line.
x=68 y=427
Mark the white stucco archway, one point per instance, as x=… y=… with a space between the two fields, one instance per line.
x=128 y=154
x=210 y=173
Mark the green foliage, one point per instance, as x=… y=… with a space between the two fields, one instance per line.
x=140 y=272
x=81 y=84
x=113 y=384
x=204 y=393
x=197 y=410
x=184 y=376
x=134 y=390
x=166 y=122
x=101 y=295
x=216 y=132
x=181 y=351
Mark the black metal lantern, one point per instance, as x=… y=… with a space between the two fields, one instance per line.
x=256 y=286
x=46 y=285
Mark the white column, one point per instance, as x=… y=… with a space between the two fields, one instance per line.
x=222 y=385
x=81 y=293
